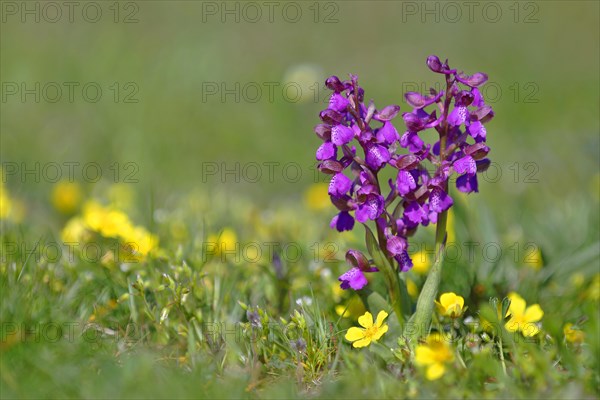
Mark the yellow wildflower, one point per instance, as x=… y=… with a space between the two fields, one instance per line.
x=93 y=214
x=450 y=305
x=5 y=202
x=593 y=292
x=412 y=288
x=354 y=308
x=316 y=197
x=75 y=231
x=115 y=223
x=573 y=335
x=139 y=241
x=10 y=208
x=66 y=197
x=534 y=259
x=434 y=355
x=372 y=331
x=110 y=223
x=224 y=243
x=523 y=318
x=421 y=262
x=337 y=291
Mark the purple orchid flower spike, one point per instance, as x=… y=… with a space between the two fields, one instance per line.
x=355 y=277
x=369 y=140
x=342 y=222
x=434 y=64
x=339 y=185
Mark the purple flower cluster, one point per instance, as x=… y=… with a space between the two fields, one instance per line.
x=347 y=119
x=459 y=114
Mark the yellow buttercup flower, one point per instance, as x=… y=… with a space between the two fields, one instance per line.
x=412 y=288
x=535 y=260
x=110 y=223
x=434 y=355
x=93 y=214
x=372 y=332
x=316 y=197
x=523 y=318
x=66 y=196
x=450 y=305
x=573 y=335
x=10 y=208
x=140 y=241
x=593 y=292
x=354 y=308
x=226 y=242
x=421 y=262
x=115 y=223
x=5 y=203
x=337 y=291
x=75 y=231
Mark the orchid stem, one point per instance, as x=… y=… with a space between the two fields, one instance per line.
x=419 y=324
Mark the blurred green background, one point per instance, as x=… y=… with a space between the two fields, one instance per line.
x=178 y=83
x=542 y=59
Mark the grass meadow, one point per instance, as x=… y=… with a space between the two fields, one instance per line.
x=165 y=229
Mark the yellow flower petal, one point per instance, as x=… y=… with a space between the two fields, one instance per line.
x=533 y=313
x=449 y=299
x=366 y=320
x=450 y=305
x=380 y=332
x=66 y=196
x=424 y=355
x=529 y=329
x=361 y=343
x=512 y=326
x=435 y=371
x=421 y=262
x=340 y=309
x=354 y=334
x=573 y=335
x=380 y=318
x=412 y=288
x=517 y=304
x=316 y=197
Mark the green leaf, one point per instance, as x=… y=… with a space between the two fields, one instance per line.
x=373 y=301
x=375 y=251
x=406 y=302
x=372 y=244
x=396 y=287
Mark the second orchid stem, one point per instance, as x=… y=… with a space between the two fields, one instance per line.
x=419 y=324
